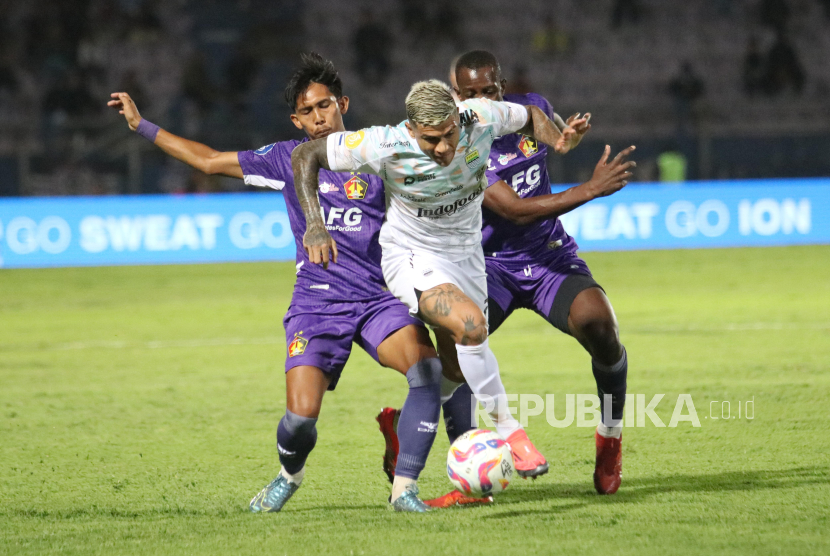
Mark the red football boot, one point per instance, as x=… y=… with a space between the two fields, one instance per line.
x=608 y=471
x=526 y=458
x=388 y=421
x=457 y=498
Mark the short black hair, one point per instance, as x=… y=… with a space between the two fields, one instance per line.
x=477 y=59
x=313 y=69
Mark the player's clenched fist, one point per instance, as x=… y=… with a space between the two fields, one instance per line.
x=317 y=243
x=125 y=105
x=610 y=177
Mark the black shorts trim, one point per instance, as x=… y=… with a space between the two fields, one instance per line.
x=570 y=288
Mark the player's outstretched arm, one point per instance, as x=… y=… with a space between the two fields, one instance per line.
x=195 y=154
x=562 y=136
x=306 y=161
x=608 y=178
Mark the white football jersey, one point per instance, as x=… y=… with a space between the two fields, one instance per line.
x=430 y=207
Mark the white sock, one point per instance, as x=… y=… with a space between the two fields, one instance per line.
x=610 y=432
x=448 y=388
x=400 y=485
x=296 y=478
x=481 y=370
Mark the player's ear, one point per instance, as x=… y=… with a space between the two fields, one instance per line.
x=409 y=127
x=296 y=121
x=343 y=104
x=503 y=84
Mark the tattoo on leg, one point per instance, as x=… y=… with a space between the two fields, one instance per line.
x=474 y=332
x=439 y=301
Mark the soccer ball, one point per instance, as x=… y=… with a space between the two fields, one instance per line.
x=480 y=463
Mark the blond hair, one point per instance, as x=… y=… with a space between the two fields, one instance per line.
x=429 y=103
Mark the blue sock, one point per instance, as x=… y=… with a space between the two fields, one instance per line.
x=612 y=380
x=458 y=412
x=296 y=437
x=418 y=421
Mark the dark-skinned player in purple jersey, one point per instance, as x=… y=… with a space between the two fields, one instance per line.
x=532 y=262
x=330 y=308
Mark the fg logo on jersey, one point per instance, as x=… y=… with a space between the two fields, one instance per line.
x=355 y=188
x=528 y=146
x=297 y=345
x=354 y=139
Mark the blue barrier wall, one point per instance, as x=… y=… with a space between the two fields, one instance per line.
x=85 y=231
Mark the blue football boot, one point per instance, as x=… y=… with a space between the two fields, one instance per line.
x=274 y=496
x=409 y=502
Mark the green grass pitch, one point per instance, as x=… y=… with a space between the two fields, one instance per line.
x=138 y=407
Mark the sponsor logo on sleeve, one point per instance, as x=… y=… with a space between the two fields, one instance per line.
x=297 y=345
x=393 y=144
x=262 y=151
x=356 y=188
x=354 y=139
x=528 y=146
x=409 y=180
x=472 y=159
x=468 y=118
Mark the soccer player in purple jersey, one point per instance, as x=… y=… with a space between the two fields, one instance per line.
x=331 y=308
x=532 y=262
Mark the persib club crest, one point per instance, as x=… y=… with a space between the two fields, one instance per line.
x=528 y=146
x=355 y=188
x=472 y=159
x=297 y=345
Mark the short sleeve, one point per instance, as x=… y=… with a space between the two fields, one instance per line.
x=542 y=103
x=353 y=151
x=492 y=176
x=507 y=117
x=259 y=168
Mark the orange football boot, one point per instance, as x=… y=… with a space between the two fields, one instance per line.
x=388 y=420
x=457 y=498
x=527 y=459
x=608 y=471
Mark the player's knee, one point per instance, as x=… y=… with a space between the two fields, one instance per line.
x=470 y=329
x=426 y=372
x=305 y=406
x=603 y=337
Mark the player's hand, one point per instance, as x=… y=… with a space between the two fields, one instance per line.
x=610 y=177
x=125 y=105
x=576 y=128
x=318 y=242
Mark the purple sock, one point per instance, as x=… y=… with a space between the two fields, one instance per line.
x=296 y=437
x=458 y=412
x=148 y=130
x=612 y=380
x=418 y=421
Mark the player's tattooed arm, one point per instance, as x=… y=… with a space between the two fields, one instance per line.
x=608 y=178
x=562 y=136
x=306 y=161
x=197 y=155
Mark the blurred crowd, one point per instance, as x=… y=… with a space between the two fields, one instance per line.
x=213 y=70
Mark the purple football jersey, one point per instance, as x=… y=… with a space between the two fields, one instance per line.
x=520 y=161
x=353 y=207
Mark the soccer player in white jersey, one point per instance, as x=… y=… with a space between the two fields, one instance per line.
x=433 y=168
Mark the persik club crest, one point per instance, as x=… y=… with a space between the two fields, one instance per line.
x=528 y=146
x=297 y=345
x=355 y=188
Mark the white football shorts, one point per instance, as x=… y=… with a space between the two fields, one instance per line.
x=406 y=270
